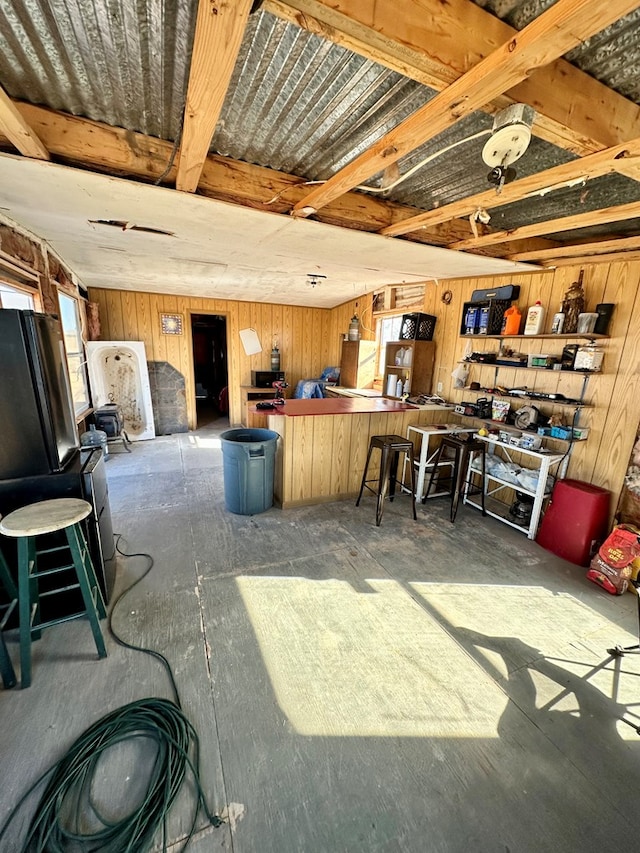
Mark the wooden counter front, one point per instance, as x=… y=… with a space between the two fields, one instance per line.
x=324 y=443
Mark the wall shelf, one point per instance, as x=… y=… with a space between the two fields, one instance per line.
x=590 y=336
x=532 y=398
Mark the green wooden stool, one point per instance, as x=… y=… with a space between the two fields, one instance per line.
x=6 y=582
x=36 y=520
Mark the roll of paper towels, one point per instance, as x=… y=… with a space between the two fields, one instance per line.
x=392 y=381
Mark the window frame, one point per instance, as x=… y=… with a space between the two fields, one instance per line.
x=76 y=358
x=382 y=341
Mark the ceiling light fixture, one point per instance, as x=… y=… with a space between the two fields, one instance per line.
x=509 y=140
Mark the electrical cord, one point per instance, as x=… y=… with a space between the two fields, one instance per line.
x=68 y=803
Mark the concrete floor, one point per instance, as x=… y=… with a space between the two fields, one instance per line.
x=421 y=686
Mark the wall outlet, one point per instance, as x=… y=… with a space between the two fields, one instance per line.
x=439 y=387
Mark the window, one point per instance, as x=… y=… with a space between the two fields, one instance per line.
x=388 y=330
x=13 y=297
x=72 y=331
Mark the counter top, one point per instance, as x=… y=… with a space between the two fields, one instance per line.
x=336 y=406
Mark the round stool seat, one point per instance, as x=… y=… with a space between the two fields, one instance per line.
x=44 y=517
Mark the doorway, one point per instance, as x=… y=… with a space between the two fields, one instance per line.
x=209 y=333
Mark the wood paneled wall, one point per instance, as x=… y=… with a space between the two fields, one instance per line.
x=614 y=394
x=309 y=339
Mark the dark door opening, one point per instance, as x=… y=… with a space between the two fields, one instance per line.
x=209 y=333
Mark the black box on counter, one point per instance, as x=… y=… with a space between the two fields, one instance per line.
x=266 y=378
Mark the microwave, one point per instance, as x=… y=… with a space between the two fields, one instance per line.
x=266 y=378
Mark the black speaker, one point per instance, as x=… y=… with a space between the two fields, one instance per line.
x=604 y=312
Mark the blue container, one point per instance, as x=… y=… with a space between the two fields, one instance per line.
x=248 y=461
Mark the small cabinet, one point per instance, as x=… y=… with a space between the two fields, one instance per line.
x=410 y=362
x=358 y=364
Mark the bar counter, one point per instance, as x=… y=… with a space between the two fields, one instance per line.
x=323 y=442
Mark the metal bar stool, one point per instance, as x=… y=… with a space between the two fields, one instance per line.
x=36 y=520
x=6 y=582
x=463 y=450
x=391 y=446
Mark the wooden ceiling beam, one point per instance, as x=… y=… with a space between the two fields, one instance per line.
x=613 y=258
x=434 y=43
x=614 y=159
x=556 y=31
x=100 y=147
x=579 y=250
x=17 y=130
x=219 y=30
x=591 y=218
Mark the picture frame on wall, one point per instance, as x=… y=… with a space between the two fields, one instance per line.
x=171 y=324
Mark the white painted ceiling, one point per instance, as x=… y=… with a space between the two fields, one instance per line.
x=214 y=249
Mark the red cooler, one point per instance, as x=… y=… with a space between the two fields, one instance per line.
x=577 y=516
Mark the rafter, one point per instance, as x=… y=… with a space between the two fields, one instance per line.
x=580 y=250
x=18 y=131
x=434 y=43
x=94 y=145
x=592 y=166
x=605 y=216
x=219 y=29
x=560 y=28
x=613 y=258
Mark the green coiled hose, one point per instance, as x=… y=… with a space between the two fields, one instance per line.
x=60 y=821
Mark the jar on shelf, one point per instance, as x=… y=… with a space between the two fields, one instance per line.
x=588 y=357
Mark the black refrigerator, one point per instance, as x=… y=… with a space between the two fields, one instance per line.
x=39 y=448
x=38 y=433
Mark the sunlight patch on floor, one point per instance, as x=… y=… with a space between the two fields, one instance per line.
x=344 y=663
x=507 y=628
x=199 y=441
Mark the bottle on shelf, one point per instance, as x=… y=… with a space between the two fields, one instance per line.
x=511 y=321
x=557 y=324
x=405 y=387
x=399 y=388
x=535 y=319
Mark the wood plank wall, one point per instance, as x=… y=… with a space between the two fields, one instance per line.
x=614 y=394
x=309 y=339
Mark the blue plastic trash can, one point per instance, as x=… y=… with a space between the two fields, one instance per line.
x=248 y=461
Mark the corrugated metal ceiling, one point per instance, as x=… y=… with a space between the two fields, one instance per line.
x=612 y=56
x=114 y=61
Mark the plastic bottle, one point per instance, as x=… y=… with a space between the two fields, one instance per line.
x=95 y=438
x=535 y=319
x=511 y=321
x=405 y=387
x=399 y=388
x=557 y=324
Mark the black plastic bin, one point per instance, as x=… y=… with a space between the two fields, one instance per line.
x=248 y=461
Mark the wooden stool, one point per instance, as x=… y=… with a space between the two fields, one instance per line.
x=390 y=446
x=36 y=520
x=6 y=582
x=463 y=449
